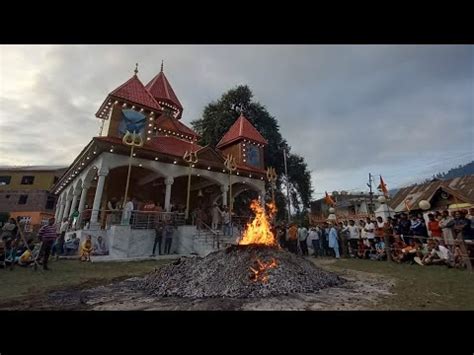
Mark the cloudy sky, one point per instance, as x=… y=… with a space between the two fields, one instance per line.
x=405 y=112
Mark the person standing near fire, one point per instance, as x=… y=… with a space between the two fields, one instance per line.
x=293 y=239
x=302 y=240
x=216 y=215
x=333 y=239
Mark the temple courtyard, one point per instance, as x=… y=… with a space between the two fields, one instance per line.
x=111 y=286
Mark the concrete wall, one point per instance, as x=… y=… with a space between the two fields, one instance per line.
x=124 y=242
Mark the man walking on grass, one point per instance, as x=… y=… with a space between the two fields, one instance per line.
x=47 y=236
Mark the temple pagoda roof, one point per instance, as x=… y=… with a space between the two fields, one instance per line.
x=166 y=123
x=132 y=91
x=241 y=129
x=160 y=88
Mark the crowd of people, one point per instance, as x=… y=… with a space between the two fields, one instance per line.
x=17 y=249
x=446 y=238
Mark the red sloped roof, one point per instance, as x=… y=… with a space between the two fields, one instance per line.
x=171 y=123
x=134 y=91
x=171 y=146
x=161 y=89
x=241 y=129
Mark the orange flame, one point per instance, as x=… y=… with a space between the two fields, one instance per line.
x=260 y=271
x=259 y=230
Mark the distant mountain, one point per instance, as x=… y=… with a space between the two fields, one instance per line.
x=461 y=170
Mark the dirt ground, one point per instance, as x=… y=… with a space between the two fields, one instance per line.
x=360 y=291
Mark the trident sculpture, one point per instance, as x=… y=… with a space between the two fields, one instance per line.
x=190 y=158
x=231 y=166
x=272 y=177
x=132 y=139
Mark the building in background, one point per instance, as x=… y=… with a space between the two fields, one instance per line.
x=348 y=205
x=441 y=194
x=25 y=192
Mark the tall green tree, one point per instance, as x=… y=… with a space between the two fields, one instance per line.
x=219 y=116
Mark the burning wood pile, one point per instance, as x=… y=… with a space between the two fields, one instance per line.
x=256 y=267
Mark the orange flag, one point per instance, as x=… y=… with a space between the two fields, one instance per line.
x=328 y=199
x=383 y=187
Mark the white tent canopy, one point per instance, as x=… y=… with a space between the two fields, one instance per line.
x=384 y=211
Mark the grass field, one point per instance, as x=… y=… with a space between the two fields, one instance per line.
x=417 y=287
x=24 y=282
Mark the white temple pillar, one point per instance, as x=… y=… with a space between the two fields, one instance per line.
x=224 y=190
x=73 y=203
x=168 y=182
x=61 y=207
x=82 y=201
x=98 y=195
x=59 y=203
x=65 y=213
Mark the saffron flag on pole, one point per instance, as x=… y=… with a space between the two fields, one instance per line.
x=407 y=204
x=383 y=187
x=328 y=199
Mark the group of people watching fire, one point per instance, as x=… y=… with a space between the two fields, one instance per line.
x=446 y=238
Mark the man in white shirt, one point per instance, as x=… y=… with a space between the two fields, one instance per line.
x=370 y=231
x=226 y=221
x=302 y=236
x=440 y=255
x=313 y=238
x=127 y=211
x=354 y=237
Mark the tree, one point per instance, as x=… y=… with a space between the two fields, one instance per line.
x=219 y=116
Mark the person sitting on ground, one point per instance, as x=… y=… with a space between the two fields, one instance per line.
x=86 y=249
x=408 y=252
x=26 y=258
x=380 y=250
x=439 y=255
x=397 y=247
x=72 y=245
x=100 y=248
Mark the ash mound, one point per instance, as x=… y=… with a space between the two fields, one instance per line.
x=239 y=271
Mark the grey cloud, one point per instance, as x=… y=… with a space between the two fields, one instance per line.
x=344 y=108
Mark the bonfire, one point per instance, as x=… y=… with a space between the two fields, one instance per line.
x=256 y=267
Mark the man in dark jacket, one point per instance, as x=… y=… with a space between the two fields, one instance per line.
x=158 y=237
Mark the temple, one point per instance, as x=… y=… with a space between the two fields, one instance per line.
x=159 y=171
